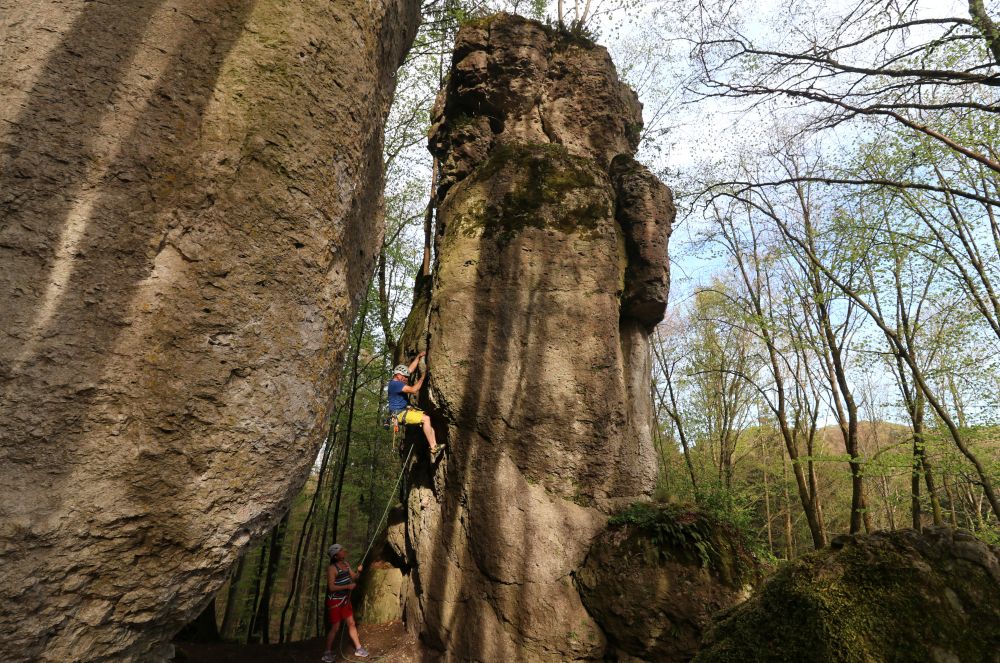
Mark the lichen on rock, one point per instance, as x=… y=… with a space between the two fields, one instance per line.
x=531 y=185
x=189 y=215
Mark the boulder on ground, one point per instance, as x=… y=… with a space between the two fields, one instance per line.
x=380 y=594
x=654 y=578
x=891 y=596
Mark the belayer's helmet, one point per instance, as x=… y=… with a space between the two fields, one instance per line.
x=401 y=370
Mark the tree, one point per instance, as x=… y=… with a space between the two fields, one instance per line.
x=883 y=63
x=913 y=97
x=756 y=198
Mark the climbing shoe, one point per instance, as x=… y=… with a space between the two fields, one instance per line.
x=361 y=652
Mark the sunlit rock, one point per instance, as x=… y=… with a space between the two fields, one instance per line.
x=189 y=212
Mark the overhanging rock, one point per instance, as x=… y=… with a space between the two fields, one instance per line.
x=189 y=212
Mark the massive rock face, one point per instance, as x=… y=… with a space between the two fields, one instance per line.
x=892 y=596
x=551 y=269
x=189 y=210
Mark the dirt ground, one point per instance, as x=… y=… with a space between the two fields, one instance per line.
x=389 y=643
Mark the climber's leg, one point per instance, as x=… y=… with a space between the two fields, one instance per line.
x=429 y=433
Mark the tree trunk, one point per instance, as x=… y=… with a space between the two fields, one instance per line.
x=350 y=413
x=258 y=577
x=383 y=305
x=767 y=504
x=231 y=616
x=204 y=628
x=262 y=619
x=318 y=584
x=951 y=499
x=789 y=531
x=931 y=489
x=308 y=527
x=832 y=355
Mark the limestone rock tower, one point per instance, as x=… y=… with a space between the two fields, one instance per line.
x=551 y=271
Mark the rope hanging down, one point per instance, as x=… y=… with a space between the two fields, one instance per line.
x=388 y=505
x=392 y=496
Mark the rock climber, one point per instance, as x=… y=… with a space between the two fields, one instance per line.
x=340 y=580
x=400 y=407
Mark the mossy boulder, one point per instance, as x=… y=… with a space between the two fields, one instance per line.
x=894 y=596
x=380 y=594
x=654 y=578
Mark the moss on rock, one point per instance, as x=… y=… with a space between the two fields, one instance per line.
x=533 y=185
x=687 y=535
x=898 y=596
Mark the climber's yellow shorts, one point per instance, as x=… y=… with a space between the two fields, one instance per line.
x=411 y=416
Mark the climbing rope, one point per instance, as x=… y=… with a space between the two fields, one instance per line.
x=392 y=495
x=388 y=505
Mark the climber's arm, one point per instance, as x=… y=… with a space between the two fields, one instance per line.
x=415 y=387
x=416 y=362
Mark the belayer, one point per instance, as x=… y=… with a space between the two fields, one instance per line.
x=399 y=405
x=340 y=580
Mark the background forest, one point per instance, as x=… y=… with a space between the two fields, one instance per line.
x=829 y=363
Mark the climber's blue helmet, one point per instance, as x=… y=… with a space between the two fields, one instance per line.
x=401 y=370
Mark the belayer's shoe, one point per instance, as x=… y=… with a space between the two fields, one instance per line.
x=328 y=657
x=361 y=652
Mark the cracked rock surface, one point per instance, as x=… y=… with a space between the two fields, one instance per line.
x=189 y=212
x=539 y=375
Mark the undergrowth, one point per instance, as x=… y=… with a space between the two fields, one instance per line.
x=672 y=529
x=687 y=534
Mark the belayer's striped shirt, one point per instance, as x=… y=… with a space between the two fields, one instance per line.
x=338 y=597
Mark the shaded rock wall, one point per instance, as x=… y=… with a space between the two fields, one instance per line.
x=892 y=596
x=189 y=210
x=538 y=359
